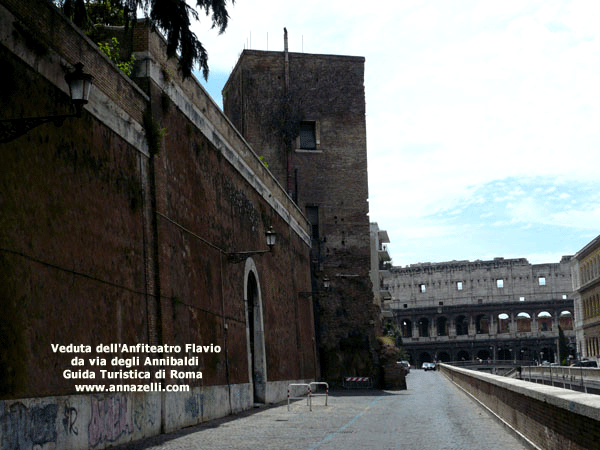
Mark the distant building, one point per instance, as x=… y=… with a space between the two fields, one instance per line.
x=380 y=264
x=586 y=287
x=503 y=309
x=304 y=114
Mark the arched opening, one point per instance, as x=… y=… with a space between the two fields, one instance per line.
x=523 y=322
x=484 y=355
x=544 y=321
x=503 y=323
x=444 y=357
x=482 y=324
x=424 y=357
x=524 y=354
x=462 y=326
x=547 y=355
x=566 y=320
x=257 y=365
x=424 y=328
x=442 y=326
x=406 y=328
x=504 y=354
x=463 y=355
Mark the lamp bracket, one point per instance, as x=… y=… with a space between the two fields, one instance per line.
x=11 y=129
x=237 y=257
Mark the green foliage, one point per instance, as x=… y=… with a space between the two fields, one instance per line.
x=154 y=134
x=173 y=17
x=262 y=159
x=106 y=12
x=387 y=340
x=113 y=51
x=392 y=330
x=563 y=347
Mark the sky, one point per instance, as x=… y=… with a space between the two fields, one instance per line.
x=483 y=117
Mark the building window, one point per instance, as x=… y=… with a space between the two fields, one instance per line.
x=405 y=305
x=479 y=301
x=500 y=283
x=542 y=281
x=564 y=296
x=308 y=136
x=459 y=285
x=422 y=288
x=521 y=299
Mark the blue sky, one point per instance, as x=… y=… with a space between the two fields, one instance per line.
x=483 y=118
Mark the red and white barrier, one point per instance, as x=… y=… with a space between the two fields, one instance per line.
x=357 y=382
x=307 y=393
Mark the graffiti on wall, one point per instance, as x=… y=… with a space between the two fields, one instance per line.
x=111 y=418
x=70 y=420
x=28 y=427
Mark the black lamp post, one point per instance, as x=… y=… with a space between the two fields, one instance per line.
x=79 y=88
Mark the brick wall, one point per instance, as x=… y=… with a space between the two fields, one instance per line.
x=104 y=239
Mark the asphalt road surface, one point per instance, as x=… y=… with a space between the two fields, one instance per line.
x=432 y=414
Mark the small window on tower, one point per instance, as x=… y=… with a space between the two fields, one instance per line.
x=308 y=136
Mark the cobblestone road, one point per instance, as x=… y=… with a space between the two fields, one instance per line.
x=432 y=414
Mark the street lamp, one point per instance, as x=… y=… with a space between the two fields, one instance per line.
x=271 y=238
x=79 y=89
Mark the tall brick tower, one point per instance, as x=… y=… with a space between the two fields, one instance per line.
x=305 y=115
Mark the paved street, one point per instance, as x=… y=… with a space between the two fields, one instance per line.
x=432 y=414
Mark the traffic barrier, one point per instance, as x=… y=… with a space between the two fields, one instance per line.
x=313 y=391
x=357 y=383
x=307 y=393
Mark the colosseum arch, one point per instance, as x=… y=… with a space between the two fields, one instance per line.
x=406 y=328
x=544 y=320
x=503 y=323
x=482 y=324
x=524 y=322
x=565 y=320
x=424 y=328
x=462 y=325
x=442 y=326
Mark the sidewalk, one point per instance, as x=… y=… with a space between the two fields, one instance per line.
x=432 y=414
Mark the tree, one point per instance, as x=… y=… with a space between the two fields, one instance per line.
x=392 y=330
x=172 y=17
x=563 y=347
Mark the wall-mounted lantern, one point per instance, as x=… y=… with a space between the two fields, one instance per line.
x=79 y=88
x=271 y=238
x=80 y=84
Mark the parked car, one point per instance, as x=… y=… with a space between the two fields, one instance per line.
x=406 y=365
x=585 y=363
x=428 y=366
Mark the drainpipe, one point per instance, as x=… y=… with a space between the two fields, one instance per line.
x=286 y=77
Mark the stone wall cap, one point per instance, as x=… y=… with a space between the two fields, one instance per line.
x=578 y=402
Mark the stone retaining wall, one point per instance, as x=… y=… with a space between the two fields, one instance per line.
x=549 y=417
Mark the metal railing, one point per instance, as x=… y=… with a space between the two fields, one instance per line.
x=314 y=393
